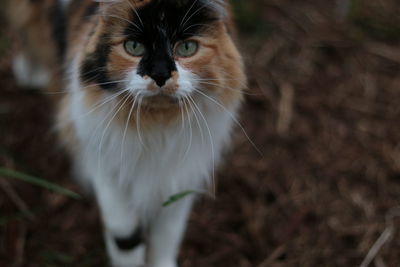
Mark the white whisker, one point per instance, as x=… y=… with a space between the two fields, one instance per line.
x=187 y=13
x=233 y=118
x=108 y=99
x=126 y=98
x=193 y=25
x=92 y=138
x=194 y=13
x=105 y=83
x=211 y=142
x=123 y=19
x=138 y=122
x=196 y=118
x=137 y=14
x=228 y=88
x=190 y=128
x=126 y=130
x=91 y=71
x=182 y=115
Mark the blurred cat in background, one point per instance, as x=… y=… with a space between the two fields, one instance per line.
x=149 y=92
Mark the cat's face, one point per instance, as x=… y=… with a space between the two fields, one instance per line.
x=161 y=53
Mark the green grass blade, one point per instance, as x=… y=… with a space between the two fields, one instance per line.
x=174 y=198
x=38 y=182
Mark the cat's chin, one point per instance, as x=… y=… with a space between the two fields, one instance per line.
x=160 y=101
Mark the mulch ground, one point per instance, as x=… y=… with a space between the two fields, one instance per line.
x=323 y=109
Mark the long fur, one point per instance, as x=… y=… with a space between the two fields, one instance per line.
x=136 y=144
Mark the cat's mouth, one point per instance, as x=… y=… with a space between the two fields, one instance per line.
x=160 y=101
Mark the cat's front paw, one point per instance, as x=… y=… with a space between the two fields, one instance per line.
x=125 y=258
x=133 y=258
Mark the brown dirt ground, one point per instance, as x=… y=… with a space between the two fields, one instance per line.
x=322 y=106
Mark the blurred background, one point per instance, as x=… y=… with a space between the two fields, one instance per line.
x=323 y=107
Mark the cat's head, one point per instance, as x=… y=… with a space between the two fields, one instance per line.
x=162 y=53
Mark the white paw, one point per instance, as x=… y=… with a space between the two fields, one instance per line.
x=28 y=75
x=133 y=258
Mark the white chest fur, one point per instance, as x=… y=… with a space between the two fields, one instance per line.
x=149 y=166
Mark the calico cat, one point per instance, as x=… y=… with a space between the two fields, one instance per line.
x=149 y=93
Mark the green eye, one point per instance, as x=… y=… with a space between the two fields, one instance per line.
x=134 y=48
x=187 y=49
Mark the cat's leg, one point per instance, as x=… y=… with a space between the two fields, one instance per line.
x=166 y=233
x=122 y=232
x=28 y=74
x=124 y=256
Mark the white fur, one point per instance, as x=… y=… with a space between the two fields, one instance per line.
x=133 y=173
x=28 y=74
x=186 y=81
x=138 y=85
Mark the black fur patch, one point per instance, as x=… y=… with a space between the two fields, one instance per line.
x=130 y=242
x=94 y=67
x=58 y=22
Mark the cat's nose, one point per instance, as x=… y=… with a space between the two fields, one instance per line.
x=160 y=78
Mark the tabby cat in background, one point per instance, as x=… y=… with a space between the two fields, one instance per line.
x=149 y=90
